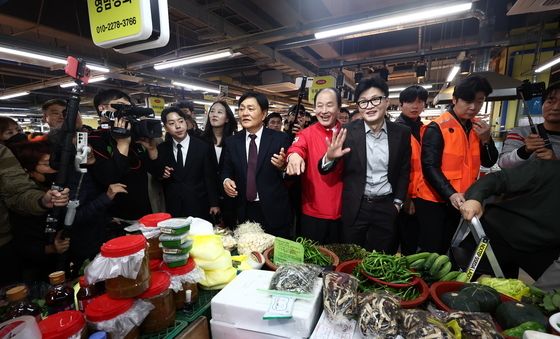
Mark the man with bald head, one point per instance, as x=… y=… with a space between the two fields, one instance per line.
x=321 y=194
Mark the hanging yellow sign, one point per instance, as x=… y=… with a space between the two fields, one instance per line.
x=117 y=22
x=318 y=84
x=157 y=104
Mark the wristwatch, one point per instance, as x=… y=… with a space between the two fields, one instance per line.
x=398 y=203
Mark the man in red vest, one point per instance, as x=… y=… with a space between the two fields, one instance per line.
x=453 y=147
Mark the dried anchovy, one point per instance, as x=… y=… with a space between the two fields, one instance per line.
x=295 y=278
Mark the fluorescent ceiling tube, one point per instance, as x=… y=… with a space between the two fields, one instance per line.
x=202 y=102
x=194 y=59
x=92 y=80
x=195 y=87
x=453 y=73
x=398 y=89
x=395 y=20
x=548 y=64
x=14 y=95
x=44 y=57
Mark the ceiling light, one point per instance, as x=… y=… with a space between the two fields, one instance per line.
x=202 y=102
x=194 y=59
x=92 y=80
x=453 y=73
x=195 y=87
x=548 y=64
x=394 y=95
x=395 y=20
x=14 y=95
x=44 y=57
x=398 y=89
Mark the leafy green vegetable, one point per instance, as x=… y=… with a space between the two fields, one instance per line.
x=312 y=255
x=347 y=252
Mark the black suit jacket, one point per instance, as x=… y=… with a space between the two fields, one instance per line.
x=192 y=190
x=355 y=166
x=273 y=194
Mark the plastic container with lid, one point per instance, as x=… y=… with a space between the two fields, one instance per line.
x=20 y=304
x=173 y=241
x=175 y=226
x=60 y=296
x=151 y=232
x=24 y=327
x=175 y=260
x=159 y=295
x=63 y=325
x=184 y=278
x=120 y=318
x=184 y=248
x=86 y=294
x=123 y=264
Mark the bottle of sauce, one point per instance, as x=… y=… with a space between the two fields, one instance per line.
x=20 y=305
x=86 y=294
x=60 y=296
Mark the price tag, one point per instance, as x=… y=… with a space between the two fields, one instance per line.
x=116 y=22
x=287 y=251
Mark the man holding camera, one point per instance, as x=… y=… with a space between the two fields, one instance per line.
x=119 y=159
x=521 y=144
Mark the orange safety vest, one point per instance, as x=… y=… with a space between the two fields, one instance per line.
x=460 y=161
x=415 y=163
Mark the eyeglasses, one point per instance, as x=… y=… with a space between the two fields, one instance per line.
x=374 y=101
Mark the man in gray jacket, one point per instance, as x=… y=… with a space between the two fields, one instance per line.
x=522 y=145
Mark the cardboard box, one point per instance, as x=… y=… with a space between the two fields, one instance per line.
x=242 y=306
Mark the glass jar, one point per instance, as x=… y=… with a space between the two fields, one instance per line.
x=60 y=296
x=159 y=295
x=64 y=325
x=19 y=304
x=180 y=297
x=151 y=220
x=104 y=308
x=121 y=287
x=86 y=294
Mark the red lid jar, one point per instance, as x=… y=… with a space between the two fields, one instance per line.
x=180 y=297
x=121 y=287
x=63 y=325
x=159 y=295
x=151 y=220
x=155 y=264
x=104 y=308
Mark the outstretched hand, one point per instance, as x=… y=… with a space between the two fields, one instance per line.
x=279 y=159
x=334 y=146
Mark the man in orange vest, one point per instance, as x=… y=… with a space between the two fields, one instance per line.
x=413 y=100
x=453 y=147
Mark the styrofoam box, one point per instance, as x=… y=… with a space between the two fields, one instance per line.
x=221 y=330
x=242 y=306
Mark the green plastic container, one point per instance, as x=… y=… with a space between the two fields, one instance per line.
x=175 y=226
x=173 y=260
x=174 y=241
x=184 y=248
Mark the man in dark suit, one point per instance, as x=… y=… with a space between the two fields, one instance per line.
x=188 y=171
x=376 y=172
x=253 y=164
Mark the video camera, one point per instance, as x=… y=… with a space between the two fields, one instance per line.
x=528 y=90
x=148 y=127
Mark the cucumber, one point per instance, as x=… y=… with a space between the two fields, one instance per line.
x=418 y=264
x=444 y=270
x=450 y=276
x=462 y=277
x=438 y=264
x=417 y=256
x=430 y=261
x=556 y=300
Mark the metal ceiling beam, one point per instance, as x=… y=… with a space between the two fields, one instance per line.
x=220 y=25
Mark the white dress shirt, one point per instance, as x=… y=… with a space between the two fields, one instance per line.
x=184 y=149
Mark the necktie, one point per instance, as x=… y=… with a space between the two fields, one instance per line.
x=179 y=156
x=252 y=169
